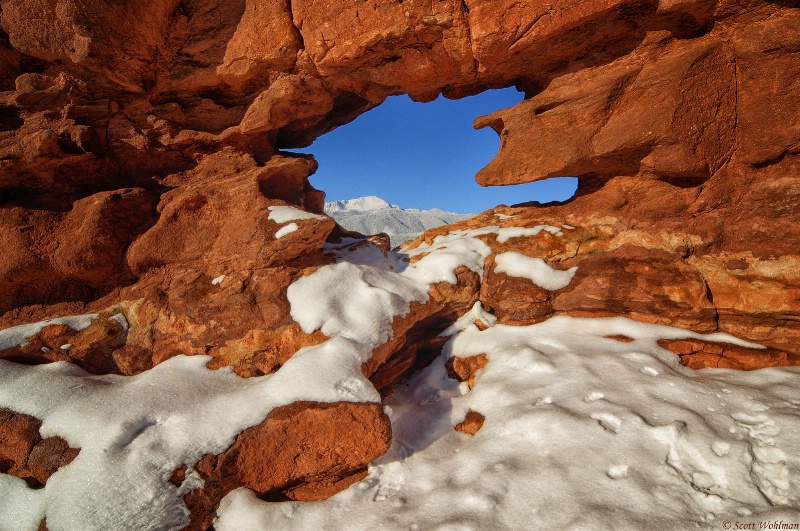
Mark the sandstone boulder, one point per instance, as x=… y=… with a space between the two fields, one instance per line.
x=304 y=452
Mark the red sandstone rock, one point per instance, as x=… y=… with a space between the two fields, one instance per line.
x=699 y=354
x=139 y=156
x=304 y=451
x=92 y=238
x=92 y=348
x=630 y=280
x=672 y=277
x=464 y=369
x=621 y=338
x=627 y=117
x=472 y=423
x=23 y=452
x=223 y=215
x=416 y=341
x=515 y=300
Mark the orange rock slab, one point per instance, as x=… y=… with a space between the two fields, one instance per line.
x=303 y=451
x=698 y=354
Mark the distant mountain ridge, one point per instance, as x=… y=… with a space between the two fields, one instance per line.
x=360 y=204
x=372 y=215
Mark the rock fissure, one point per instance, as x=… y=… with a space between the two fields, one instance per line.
x=302 y=45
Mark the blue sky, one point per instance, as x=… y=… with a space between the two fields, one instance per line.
x=423 y=155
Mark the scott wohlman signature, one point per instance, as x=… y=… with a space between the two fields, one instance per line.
x=774 y=524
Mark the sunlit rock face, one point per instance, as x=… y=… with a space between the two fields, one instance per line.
x=141 y=175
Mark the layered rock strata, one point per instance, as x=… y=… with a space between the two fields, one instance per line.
x=141 y=168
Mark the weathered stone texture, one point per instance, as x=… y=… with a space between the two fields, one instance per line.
x=140 y=154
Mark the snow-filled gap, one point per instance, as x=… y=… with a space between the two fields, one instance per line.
x=424 y=156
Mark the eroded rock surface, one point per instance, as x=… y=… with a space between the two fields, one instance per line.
x=673 y=278
x=140 y=169
x=25 y=454
x=99 y=348
x=304 y=451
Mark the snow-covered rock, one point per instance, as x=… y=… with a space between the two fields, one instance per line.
x=572 y=430
x=593 y=411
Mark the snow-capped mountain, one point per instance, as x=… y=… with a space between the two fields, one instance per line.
x=360 y=204
x=372 y=215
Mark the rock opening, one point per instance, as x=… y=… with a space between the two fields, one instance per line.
x=424 y=156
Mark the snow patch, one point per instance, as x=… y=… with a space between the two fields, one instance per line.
x=356 y=302
x=283 y=214
x=22 y=507
x=477 y=313
x=536 y=269
x=286 y=229
x=617 y=471
x=505 y=234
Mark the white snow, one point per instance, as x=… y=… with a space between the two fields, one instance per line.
x=445 y=255
x=358 y=297
x=507 y=233
x=643 y=452
x=21 y=507
x=617 y=471
x=515 y=264
x=133 y=432
x=286 y=229
x=357 y=302
x=476 y=313
x=283 y=214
